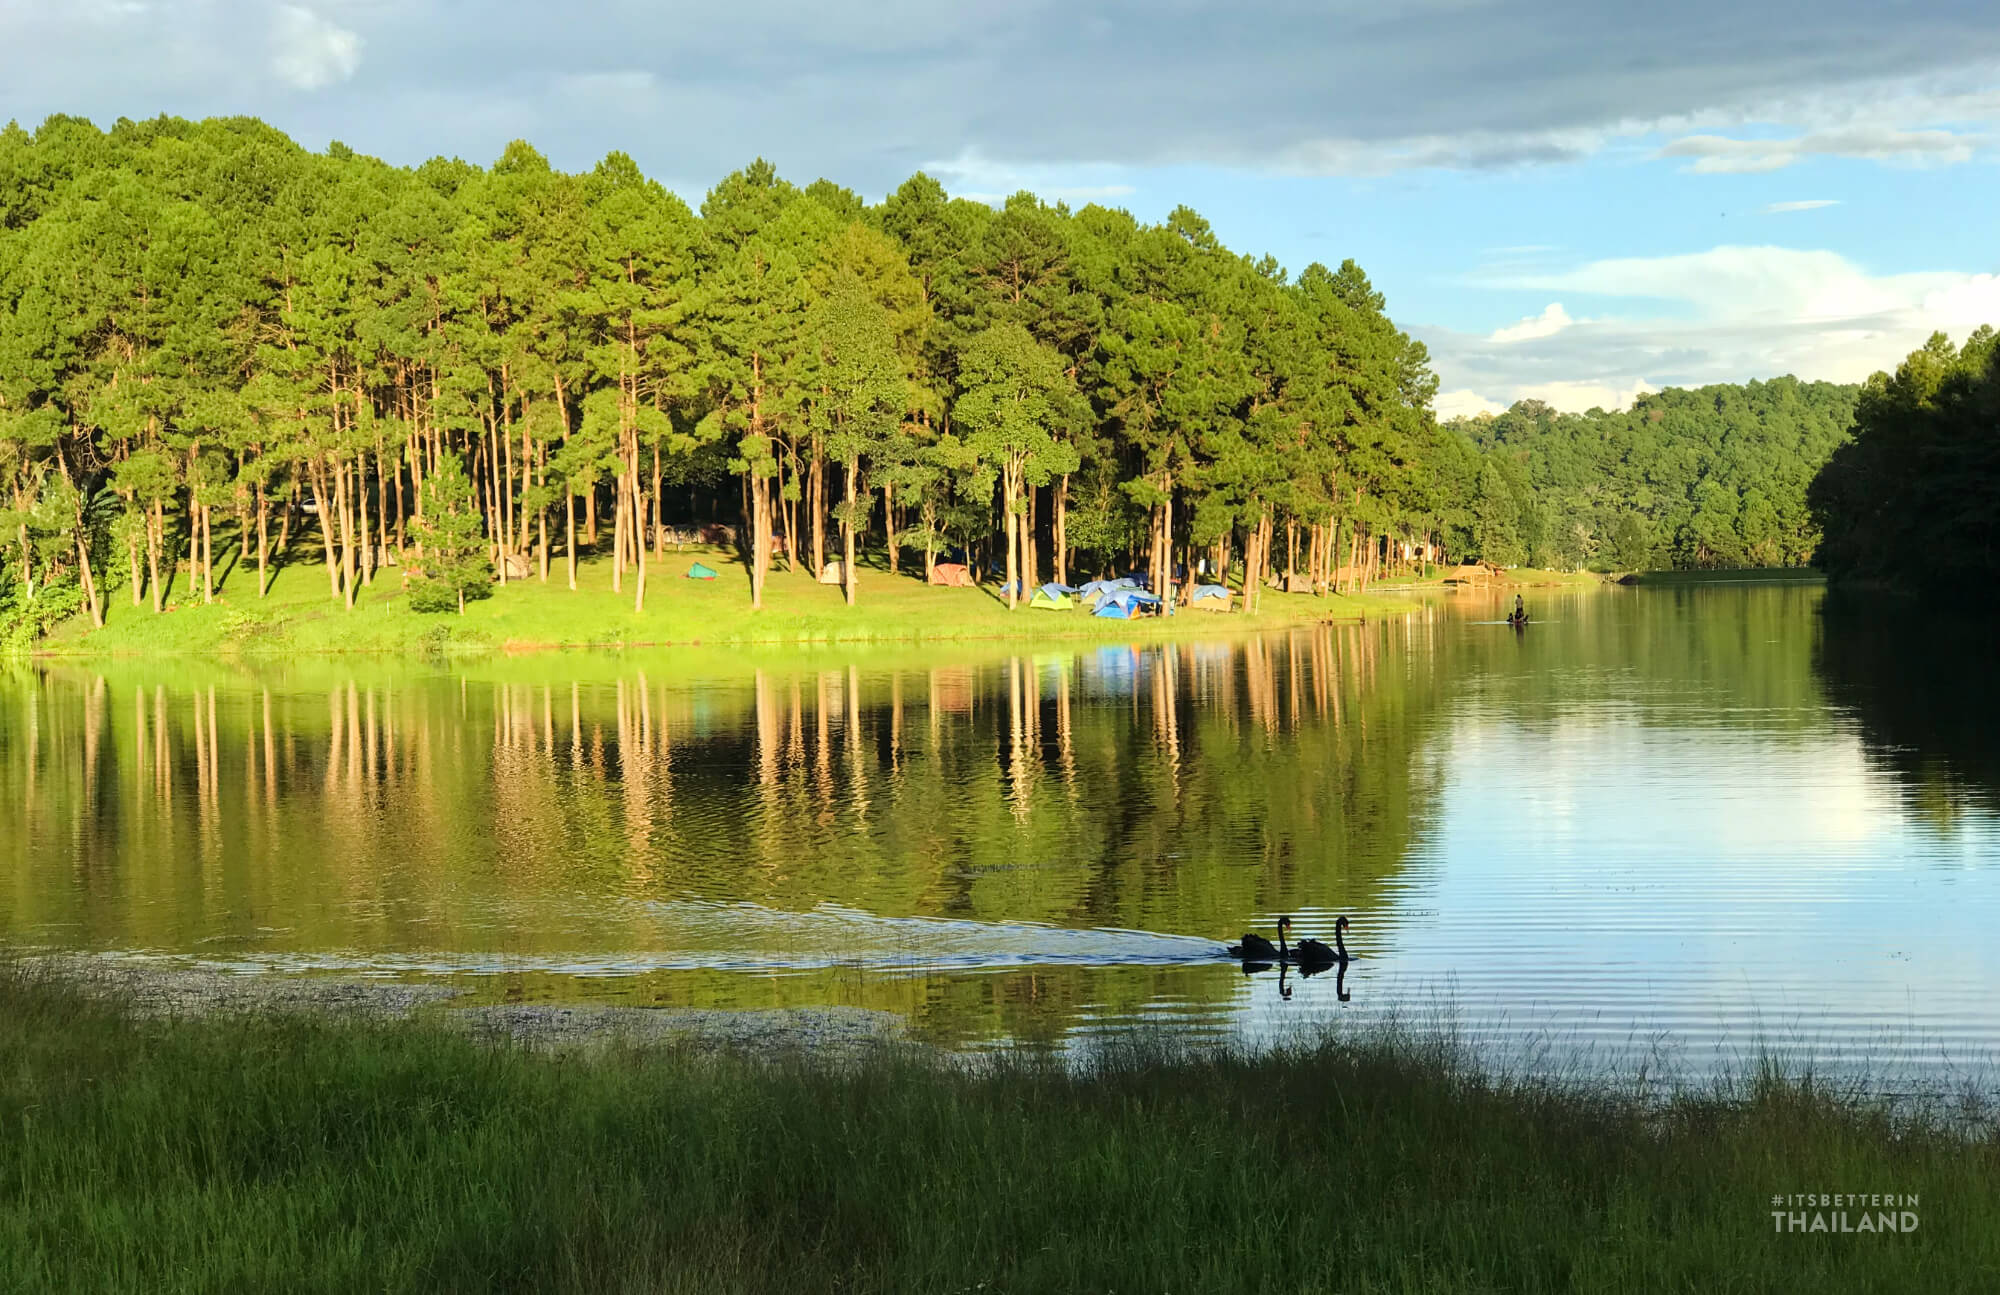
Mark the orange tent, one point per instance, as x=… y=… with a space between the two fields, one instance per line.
x=951 y=574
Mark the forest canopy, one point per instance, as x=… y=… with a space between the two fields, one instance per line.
x=1914 y=499
x=1710 y=477
x=208 y=328
x=214 y=341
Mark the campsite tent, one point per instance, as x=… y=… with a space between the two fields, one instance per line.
x=830 y=573
x=951 y=574
x=1209 y=598
x=1095 y=591
x=1124 y=604
x=700 y=572
x=1052 y=597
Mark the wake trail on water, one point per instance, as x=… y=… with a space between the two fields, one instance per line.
x=730 y=936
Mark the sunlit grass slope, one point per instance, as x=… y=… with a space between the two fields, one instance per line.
x=299 y=615
x=299 y=1155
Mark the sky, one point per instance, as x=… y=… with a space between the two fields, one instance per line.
x=1569 y=200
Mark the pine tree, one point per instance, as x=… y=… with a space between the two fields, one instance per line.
x=452 y=563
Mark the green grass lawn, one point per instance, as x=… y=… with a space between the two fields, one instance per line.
x=1531 y=577
x=299 y=614
x=302 y=1154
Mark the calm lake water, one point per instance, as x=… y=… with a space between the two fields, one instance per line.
x=1668 y=827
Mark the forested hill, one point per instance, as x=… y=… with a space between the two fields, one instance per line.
x=1913 y=500
x=1710 y=477
x=215 y=343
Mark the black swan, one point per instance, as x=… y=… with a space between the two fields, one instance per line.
x=1255 y=948
x=1306 y=953
x=1312 y=953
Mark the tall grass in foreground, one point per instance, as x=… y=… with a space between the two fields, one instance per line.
x=299 y=1154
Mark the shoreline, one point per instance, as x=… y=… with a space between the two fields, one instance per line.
x=309 y=1152
x=152 y=989
x=525 y=616
x=296 y=618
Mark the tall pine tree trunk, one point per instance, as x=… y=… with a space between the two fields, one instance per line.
x=1012 y=532
x=638 y=524
x=816 y=504
x=889 y=522
x=1061 y=537
x=569 y=539
x=263 y=540
x=207 y=554
x=618 y=514
x=760 y=536
x=849 y=576
x=365 y=540
x=342 y=502
x=1029 y=573
x=323 y=508
x=132 y=560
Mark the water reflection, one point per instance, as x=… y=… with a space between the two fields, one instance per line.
x=1066 y=825
x=1642 y=817
x=1924 y=694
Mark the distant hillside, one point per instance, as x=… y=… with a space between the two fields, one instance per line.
x=1710 y=477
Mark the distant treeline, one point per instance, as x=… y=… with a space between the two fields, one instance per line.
x=1914 y=499
x=1710 y=477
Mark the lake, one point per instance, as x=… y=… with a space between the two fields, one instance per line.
x=1658 y=827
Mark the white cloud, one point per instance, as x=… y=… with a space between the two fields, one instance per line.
x=1464 y=404
x=1586 y=395
x=1725 y=315
x=1547 y=324
x=1804 y=204
x=981 y=179
x=1720 y=155
x=309 y=52
x=1733 y=282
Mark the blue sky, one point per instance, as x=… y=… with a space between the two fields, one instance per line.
x=1566 y=199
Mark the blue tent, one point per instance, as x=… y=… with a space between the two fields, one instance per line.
x=700 y=572
x=1053 y=589
x=1209 y=591
x=1124 y=604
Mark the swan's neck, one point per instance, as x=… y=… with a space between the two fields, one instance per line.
x=1282 y=949
x=1339 y=945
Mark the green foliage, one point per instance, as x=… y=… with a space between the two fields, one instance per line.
x=1914 y=499
x=218 y=328
x=451 y=564
x=1710 y=477
x=25 y=618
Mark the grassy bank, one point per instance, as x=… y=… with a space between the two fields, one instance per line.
x=298 y=615
x=1741 y=575
x=297 y=1153
x=1516 y=577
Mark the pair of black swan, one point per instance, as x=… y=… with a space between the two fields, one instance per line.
x=1306 y=953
